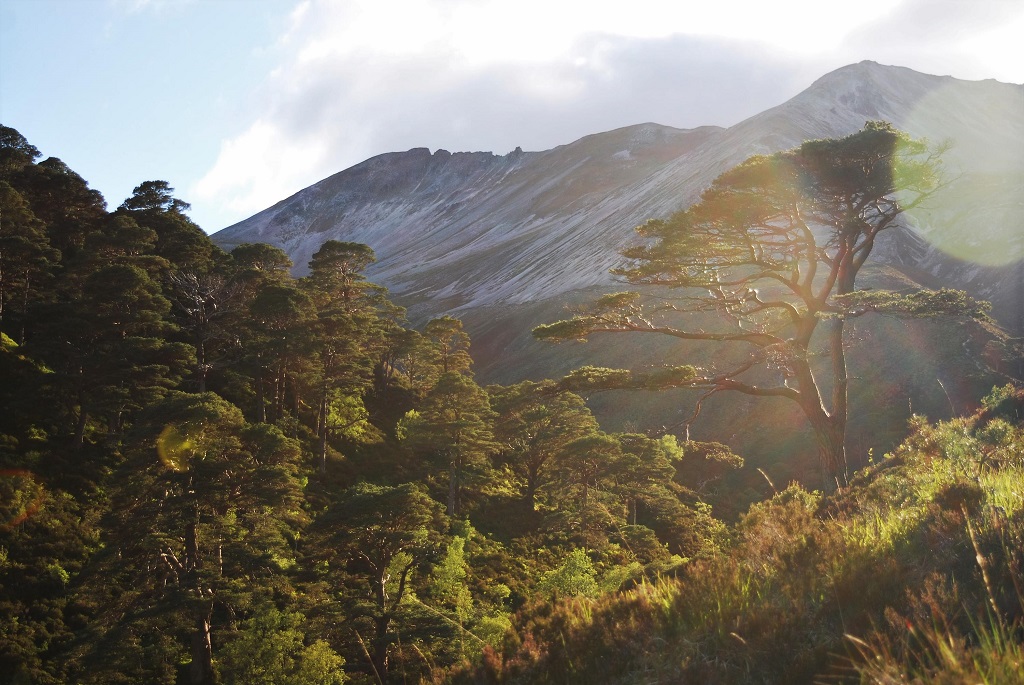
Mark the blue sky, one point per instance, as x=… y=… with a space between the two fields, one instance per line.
x=239 y=103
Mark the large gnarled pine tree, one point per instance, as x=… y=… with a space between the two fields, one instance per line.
x=773 y=250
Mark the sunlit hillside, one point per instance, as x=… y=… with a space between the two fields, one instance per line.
x=915 y=573
x=213 y=471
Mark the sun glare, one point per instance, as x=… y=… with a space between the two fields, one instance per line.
x=978 y=216
x=175 y=446
x=999 y=51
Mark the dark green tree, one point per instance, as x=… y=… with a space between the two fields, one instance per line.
x=277 y=341
x=381 y=534
x=46 y=538
x=336 y=272
x=586 y=471
x=206 y=513
x=408 y=360
x=256 y=264
x=774 y=248
x=454 y=426
x=534 y=423
x=63 y=201
x=108 y=348
x=179 y=240
x=451 y=344
x=645 y=472
x=26 y=260
x=16 y=152
x=351 y=324
x=205 y=308
x=705 y=463
x=154 y=196
x=119 y=238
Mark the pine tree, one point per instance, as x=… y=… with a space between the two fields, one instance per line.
x=535 y=422
x=453 y=425
x=773 y=249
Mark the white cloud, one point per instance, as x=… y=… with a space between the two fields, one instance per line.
x=969 y=40
x=999 y=50
x=363 y=77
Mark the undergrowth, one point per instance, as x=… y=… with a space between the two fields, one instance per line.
x=912 y=574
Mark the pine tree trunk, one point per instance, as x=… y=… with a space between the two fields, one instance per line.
x=453 y=479
x=83 y=418
x=201 y=670
x=830 y=434
x=200 y=362
x=192 y=560
x=261 y=401
x=24 y=310
x=840 y=402
x=829 y=427
x=381 y=624
x=323 y=452
x=531 y=490
x=380 y=646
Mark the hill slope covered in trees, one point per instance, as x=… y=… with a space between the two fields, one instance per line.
x=507 y=243
x=211 y=471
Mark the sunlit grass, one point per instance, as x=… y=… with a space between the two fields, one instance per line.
x=912 y=574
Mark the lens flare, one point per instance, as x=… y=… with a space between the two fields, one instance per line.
x=176 y=446
x=978 y=215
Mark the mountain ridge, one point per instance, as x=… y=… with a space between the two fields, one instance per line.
x=510 y=242
x=453 y=231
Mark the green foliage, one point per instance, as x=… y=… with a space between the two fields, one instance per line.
x=454 y=426
x=918 y=304
x=26 y=258
x=448 y=583
x=173 y=506
x=451 y=344
x=379 y=535
x=534 y=425
x=154 y=196
x=704 y=463
x=259 y=264
x=476 y=609
x=576 y=577
x=591 y=378
x=15 y=152
x=577 y=328
x=270 y=649
x=1006 y=403
x=817 y=587
x=615 y=301
x=347 y=416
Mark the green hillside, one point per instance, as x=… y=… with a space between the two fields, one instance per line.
x=914 y=573
x=212 y=472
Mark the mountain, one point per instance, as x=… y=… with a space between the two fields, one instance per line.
x=465 y=230
x=509 y=242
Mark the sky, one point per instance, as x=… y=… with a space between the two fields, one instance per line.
x=241 y=103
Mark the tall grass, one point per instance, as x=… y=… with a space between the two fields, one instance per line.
x=911 y=574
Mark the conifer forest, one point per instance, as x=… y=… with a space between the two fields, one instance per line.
x=212 y=471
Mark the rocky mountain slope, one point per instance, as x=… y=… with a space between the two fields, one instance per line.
x=508 y=242
x=454 y=232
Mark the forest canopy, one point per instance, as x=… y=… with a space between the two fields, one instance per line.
x=214 y=472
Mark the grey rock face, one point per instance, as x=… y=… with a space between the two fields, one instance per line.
x=454 y=231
